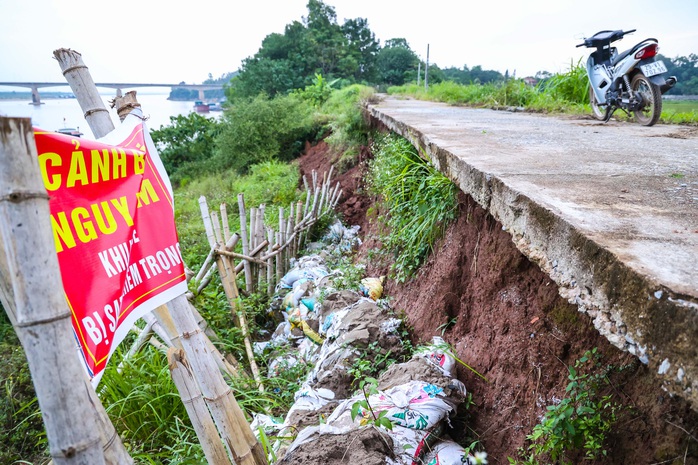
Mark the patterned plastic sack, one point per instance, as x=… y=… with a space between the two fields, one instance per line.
x=450 y=453
x=438 y=353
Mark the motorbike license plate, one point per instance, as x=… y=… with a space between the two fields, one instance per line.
x=652 y=69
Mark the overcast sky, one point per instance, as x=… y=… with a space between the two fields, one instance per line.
x=155 y=41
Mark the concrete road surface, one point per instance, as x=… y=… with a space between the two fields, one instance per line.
x=610 y=211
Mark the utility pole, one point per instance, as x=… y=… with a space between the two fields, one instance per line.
x=426 y=72
x=419 y=73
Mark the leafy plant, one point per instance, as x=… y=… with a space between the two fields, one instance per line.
x=185 y=145
x=571 y=86
x=369 y=386
x=580 y=421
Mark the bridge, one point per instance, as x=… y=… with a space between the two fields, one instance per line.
x=36 y=98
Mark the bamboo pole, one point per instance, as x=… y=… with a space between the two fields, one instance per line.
x=245 y=244
x=193 y=401
x=299 y=218
x=253 y=227
x=124 y=105
x=159 y=330
x=270 y=266
x=205 y=268
x=80 y=81
x=282 y=239
x=287 y=231
x=229 y=281
x=224 y=219
x=277 y=254
x=42 y=316
x=261 y=271
x=226 y=412
x=252 y=244
x=242 y=257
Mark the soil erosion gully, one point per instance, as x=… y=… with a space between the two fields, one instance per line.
x=609 y=211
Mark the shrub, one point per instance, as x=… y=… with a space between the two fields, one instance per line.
x=344 y=115
x=580 y=421
x=262 y=129
x=186 y=145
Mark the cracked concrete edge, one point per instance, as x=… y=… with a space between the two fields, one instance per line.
x=631 y=311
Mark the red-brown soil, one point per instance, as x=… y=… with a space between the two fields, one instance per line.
x=504 y=317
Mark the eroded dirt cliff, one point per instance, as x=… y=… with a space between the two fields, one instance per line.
x=505 y=318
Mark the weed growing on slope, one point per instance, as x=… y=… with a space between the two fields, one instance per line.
x=420 y=203
x=580 y=422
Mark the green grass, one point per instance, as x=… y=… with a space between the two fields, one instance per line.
x=562 y=93
x=680 y=111
x=420 y=202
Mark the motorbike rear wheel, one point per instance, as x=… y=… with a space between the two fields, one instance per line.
x=598 y=112
x=651 y=97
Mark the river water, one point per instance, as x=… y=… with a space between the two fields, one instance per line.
x=54 y=114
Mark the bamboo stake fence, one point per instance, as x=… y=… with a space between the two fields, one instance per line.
x=264 y=260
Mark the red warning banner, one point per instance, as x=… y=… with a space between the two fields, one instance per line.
x=112 y=217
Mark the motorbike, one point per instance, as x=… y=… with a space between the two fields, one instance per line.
x=632 y=81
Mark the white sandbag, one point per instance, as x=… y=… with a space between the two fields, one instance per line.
x=450 y=453
x=439 y=354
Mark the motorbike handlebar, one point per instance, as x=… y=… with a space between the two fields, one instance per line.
x=585 y=44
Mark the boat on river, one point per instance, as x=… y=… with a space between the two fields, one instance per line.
x=201 y=107
x=75 y=132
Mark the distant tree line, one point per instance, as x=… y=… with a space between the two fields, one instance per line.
x=686 y=71
x=349 y=52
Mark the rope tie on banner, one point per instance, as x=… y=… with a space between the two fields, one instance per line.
x=20 y=196
x=73 y=68
x=94 y=110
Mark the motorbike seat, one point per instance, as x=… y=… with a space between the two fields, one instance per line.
x=624 y=54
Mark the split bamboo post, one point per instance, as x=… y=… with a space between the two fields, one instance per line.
x=282 y=239
x=279 y=271
x=80 y=81
x=299 y=218
x=270 y=266
x=42 y=315
x=193 y=401
x=229 y=418
x=224 y=220
x=124 y=105
x=260 y=239
x=229 y=280
x=252 y=244
x=245 y=244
